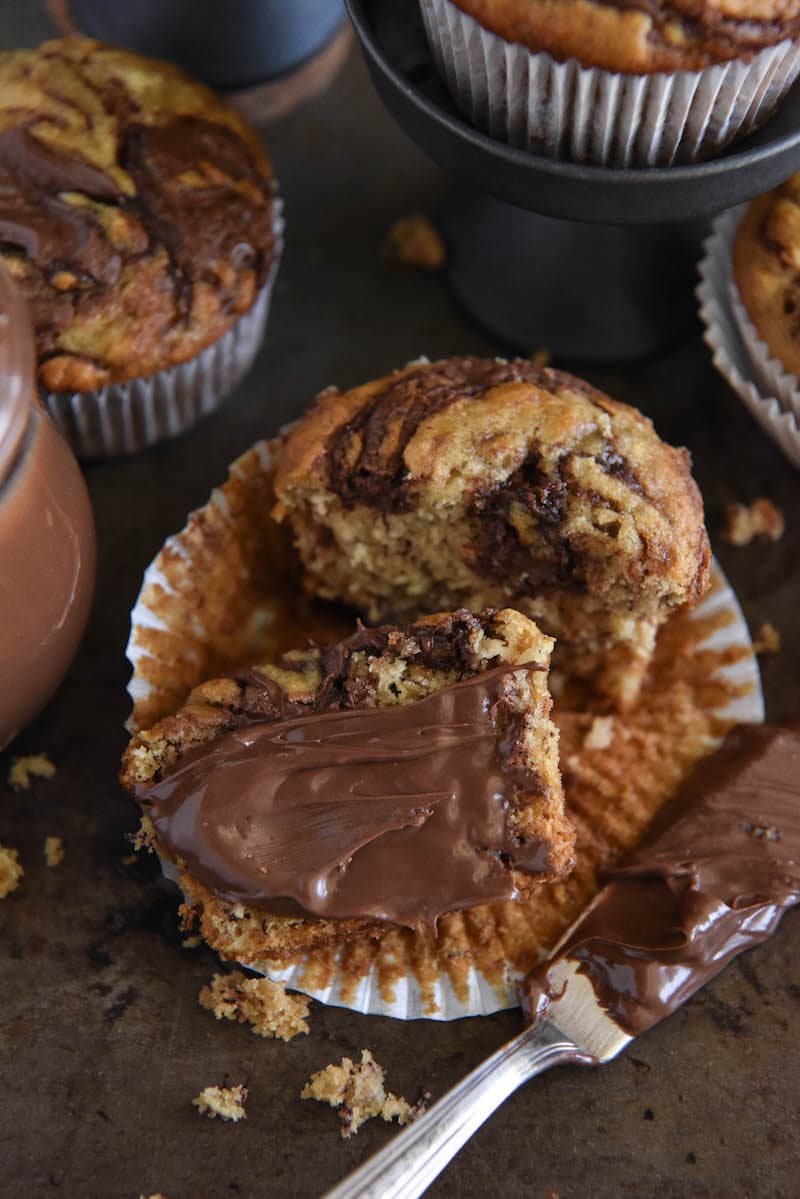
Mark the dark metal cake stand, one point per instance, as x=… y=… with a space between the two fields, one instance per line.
x=593 y=263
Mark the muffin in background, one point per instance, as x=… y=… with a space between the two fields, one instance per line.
x=139 y=217
x=635 y=84
x=766 y=272
x=482 y=483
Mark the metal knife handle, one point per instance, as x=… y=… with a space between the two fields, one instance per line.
x=409 y=1163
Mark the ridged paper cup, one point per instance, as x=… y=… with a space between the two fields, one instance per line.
x=226 y=591
x=123 y=418
x=587 y=114
x=770 y=392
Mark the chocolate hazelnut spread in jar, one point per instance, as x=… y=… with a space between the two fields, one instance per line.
x=47 y=543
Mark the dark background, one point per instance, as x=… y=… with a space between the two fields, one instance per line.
x=102 y=1041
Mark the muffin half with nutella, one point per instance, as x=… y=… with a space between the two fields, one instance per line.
x=479 y=482
x=381 y=781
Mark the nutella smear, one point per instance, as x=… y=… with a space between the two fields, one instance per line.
x=719 y=870
x=398 y=813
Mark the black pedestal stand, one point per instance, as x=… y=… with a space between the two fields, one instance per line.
x=592 y=263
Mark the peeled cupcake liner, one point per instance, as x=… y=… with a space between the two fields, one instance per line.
x=587 y=114
x=770 y=393
x=124 y=418
x=202 y=611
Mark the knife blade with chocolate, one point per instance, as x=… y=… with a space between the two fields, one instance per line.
x=719 y=868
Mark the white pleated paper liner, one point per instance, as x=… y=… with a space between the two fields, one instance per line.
x=171 y=635
x=587 y=114
x=124 y=418
x=768 y=391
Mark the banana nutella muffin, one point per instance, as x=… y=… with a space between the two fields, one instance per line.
x=381 y=781
x=616 y=82
x=766 y=270
x=482 y=483
x=640 y=36
x=138 y=213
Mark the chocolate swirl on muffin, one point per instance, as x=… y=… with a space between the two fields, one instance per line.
x=483 y=483
x=136 y=210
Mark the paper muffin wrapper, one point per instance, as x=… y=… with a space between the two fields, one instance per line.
x=770 y=393
x=213 y=599
x=123 y=418
x=587 y=114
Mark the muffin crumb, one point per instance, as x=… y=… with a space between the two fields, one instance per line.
x=259 y=1002
x=53 y=851
x=415 y=241
x=767 y=639
x=10 y=871
x=192 y=942
x=600 y=734
x=28 y=767
x=359 y=1094
x=227 y=1102
x=743 y=523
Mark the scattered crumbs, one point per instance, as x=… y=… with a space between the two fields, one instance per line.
x=760 y=519
x=227 y=1102
x=32 y=766
x=192 y=942
x=767 y=640
x=53 y=851
x=359 y=1094
x=540 y=357
x=415 y=241
x=259 y=1002
x=10 y=871
x=600 y=733
x=130 y=859
x=764 y=832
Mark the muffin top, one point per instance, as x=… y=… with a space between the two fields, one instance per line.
x=766 y=267
x=640 y=36
x=136 y=214
x=495 y=480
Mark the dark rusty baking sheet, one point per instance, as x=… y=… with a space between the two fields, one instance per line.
x=102 y=1042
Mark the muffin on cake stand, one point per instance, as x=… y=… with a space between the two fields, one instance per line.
x=594 y=263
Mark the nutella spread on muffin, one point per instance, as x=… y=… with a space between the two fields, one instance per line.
x=387 y=779
x=480 y=482
x=715 y=875
x=136 y=210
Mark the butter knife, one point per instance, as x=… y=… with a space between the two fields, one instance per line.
x=717 y=874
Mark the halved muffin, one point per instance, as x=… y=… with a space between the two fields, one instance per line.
x=480 y=482
x=384 y=780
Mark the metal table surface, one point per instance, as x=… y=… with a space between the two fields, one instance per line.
x=102 y=1041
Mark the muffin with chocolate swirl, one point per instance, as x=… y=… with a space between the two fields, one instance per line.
x=138 y=216
x=616 y=82
x=640 y=36
x=378 y=782
x=479 y=482
x=766 y=270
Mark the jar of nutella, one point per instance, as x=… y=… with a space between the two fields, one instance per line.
x=47 y=543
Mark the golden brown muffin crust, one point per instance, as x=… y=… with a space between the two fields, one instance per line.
x=136 y=211
x=641 y=36
x=766 y=268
